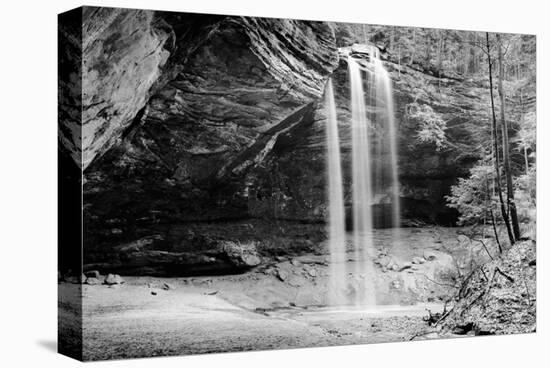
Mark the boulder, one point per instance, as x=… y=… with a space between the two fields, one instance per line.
x=72 y=279
x=430 y=256
x=167 y=286
x=281 y=274
x=405 y=266
x=295 y=263
x=242 y=255
x=385 y=261
x=113 y=279
x=395 y=284
x=92 y=281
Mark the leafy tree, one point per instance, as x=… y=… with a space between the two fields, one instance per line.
x=473 y=196
x=431 y=125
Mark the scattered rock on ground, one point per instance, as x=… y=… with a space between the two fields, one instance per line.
x=385 y=261
x=167 y=286
x=429 y=256
x=113 y=279
x=295 y=263
x=241 y=254
x=281 y=274
x=71 y=279
x=93 y=281
x=405 y=265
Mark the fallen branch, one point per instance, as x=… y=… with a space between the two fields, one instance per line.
x=473 y=302
x=508 y=277
x=419 y=334
x=445 y=315
x=485 y=247
x=438 y=283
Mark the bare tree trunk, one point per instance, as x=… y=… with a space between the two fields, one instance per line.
x=413 y=47
x=466 y=58
x=526 y=160
x=495 y=143
x=399 y=60
x=525 y=157
x=488 y=204
x=428 y=55
x=495 y=231
x=506 y=145
x=474 y=55
x=440 y=51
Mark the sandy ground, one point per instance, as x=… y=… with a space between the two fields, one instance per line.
x=130 y=321
x=279 y=305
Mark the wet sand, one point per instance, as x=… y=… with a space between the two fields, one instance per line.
x=130 y=321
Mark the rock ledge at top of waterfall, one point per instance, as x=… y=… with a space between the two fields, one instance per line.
x=360 y=51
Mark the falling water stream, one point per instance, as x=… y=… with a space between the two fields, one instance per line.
x=337 y=231
x=370 y=113
x=384 y=85
x=361 y=184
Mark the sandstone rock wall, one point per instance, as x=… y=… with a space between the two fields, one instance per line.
x=218 y=105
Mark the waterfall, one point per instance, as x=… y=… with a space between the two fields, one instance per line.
x=361 y=186
x=384 y=86
x=337 y=235
x=374 y=178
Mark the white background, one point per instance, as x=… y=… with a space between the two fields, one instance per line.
x=28 y=140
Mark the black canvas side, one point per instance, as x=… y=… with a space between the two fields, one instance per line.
x=70 y=184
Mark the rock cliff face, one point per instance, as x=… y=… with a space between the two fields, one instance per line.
x=122 y=54
x=215 y=108
x=202 y=130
